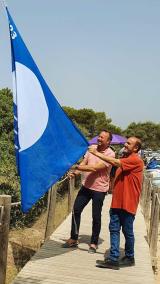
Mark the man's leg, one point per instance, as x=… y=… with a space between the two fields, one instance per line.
x=81 y=201
x=97 y=203
x=114 y=228
x=127 y=229
x=111 y=262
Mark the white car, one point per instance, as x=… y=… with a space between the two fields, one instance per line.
x=155 y=175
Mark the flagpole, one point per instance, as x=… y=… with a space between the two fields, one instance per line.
x=4 y=4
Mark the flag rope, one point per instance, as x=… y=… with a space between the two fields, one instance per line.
x=59 y=182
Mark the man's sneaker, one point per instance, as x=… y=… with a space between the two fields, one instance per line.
x=108 y=263
x=92 y=250
x=70 y=244
x=127 y=261
x=99 y=261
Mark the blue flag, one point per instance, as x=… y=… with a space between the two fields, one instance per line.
x=47 y=142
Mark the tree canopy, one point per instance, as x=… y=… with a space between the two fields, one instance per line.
x=89 y=122
x=148 y=132
x=7 y=153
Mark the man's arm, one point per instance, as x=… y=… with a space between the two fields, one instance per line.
x=74 y=171
x=90 y=168
x=84 y=167
x=110 y=160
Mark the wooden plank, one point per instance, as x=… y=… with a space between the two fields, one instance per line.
x=155 y=224
x=148 y=205
x=152 y=215
x=71 y=187
x=54 y=264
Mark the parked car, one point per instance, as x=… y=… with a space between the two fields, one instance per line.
x=153 y=169
x=154 y=163
x=155 y=175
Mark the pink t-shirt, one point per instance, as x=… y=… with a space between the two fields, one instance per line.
x=99 y=180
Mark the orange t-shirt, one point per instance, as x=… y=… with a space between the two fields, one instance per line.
x=128 y=184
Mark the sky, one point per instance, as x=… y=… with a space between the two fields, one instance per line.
x=98 y=54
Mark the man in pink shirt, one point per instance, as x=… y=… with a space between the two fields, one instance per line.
x=95 y=184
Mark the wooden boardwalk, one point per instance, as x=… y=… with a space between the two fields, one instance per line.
x=54 y=264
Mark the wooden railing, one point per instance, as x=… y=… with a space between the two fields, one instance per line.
x=150 y=204
x=50 y=224
x=5 y=206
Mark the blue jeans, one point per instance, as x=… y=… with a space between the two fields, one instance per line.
x=121 y=218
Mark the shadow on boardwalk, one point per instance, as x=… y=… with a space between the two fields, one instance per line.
x=53 y=248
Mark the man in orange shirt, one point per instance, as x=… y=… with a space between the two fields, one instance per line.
x=95 y=184
x=126 y=193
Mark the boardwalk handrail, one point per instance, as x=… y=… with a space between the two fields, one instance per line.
x=50 y=223
x=150 y=204
x=5 y=207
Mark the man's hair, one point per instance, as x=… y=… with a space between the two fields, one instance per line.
x=110 y=134
x=138 y=143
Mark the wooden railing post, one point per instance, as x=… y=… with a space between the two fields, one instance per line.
x=152 y=216
x=50 y=225
x=143 y=193
x=154 y=232
x=150 y=202
x=147 y=205
x=5 y=207
x=71 y=194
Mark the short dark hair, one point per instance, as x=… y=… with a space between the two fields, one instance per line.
x=110 y=134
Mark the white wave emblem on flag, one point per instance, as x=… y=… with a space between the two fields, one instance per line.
x=32 y=111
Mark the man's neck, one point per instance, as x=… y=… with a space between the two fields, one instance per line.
x=125 y=155
x=102 y=148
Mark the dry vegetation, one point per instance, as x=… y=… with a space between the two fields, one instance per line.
x=23 y=243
